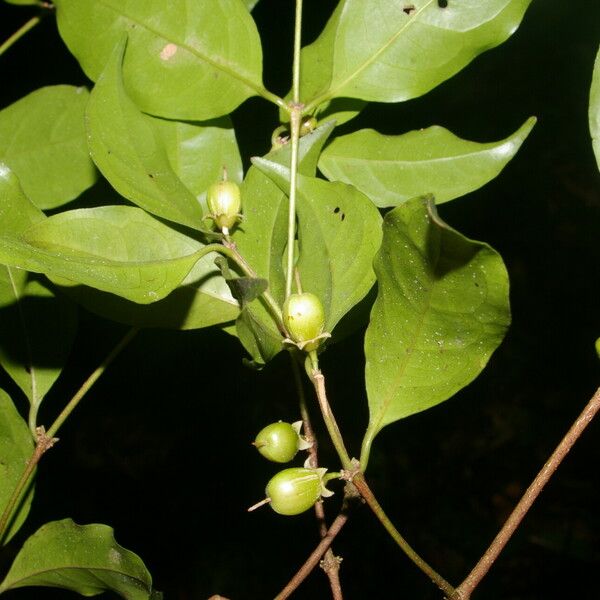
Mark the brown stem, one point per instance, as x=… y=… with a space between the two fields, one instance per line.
x=44 y=442
x=315 y=556
x=465 y=589
x=331 y=563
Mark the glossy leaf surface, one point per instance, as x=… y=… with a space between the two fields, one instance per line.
x=185 y=60
x=130 y=152
x=262 y=239
x=43 y=140
x=442 y=308
x=339 y=233
x=85 y=559
x=118 y=249
x=16 y=447
x=393 y=169
x=594 y=112
x=378 y=50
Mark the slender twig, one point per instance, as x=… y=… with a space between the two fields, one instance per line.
x=295 y=119
x=365 y=491
x=465 y=589
x=44 y=442
x=330 y=564
x=315 y=557
x=89 y=382
x=318 y=380
x=17 y=35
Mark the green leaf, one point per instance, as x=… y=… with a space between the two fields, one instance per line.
x=442 y=308
x=202 y=299
x=262 y=239
x=185 y=60
x=250 y=4
x=17 y=212
x=393 y=169
x=16 y=447
x=339 y=233
x=85 y=559
x=130 y=152
x=118 y=249
x=37 y=330
x=594 y=112
x=378 y=50
x=43 y=140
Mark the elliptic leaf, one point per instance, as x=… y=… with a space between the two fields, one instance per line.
x=185 y=60
x=339 y=233
x=381 y=51
x=262 y=238
x=37 y=329
x=130 y=152
x=594 y=112
x=118 y=249
x=16 y=447
x=85 y=559
x=43 y=140
x=393 y=169
x=202 y=299
x=442 y=308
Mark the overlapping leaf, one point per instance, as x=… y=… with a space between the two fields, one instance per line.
x=442 y=308
x=393 y=169
x=386 y=51
x=16 y=447
x=594 y=112
x=186 y=60
x=131 y=154
x=43 y=140
x=262 y=237
x=85 y=559
x=339 y=233
x=118 y=249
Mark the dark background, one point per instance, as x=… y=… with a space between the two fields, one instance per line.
x=160 y=447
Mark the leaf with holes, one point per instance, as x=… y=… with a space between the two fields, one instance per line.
x=339 y=232
x=185 y=60
x=442 y=308
x=393 y=169
x=384 y=51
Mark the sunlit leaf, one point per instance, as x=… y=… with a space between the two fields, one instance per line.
x=85 y=559
x=442 y=308
x=43 y=140
x=16 y=447
x=130 y=152
x=339 y=233
x=393 y=169
x=386 y=51
x=118 y=249
x=185 y=60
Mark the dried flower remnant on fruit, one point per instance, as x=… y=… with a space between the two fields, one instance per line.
x=304 y=319
x=224 y=203
x=280 y=442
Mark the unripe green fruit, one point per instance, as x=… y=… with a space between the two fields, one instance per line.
x=224 y=203
x=304 y=319
x=292 y=491
x=278 y=442
x=307 y=126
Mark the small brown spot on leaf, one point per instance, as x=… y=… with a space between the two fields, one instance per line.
x=168 y=51
x=409 y=9
x=336 y=210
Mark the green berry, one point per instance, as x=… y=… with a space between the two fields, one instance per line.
x=278 y=442
x=307 y=126
x=304 y=319
x=293 y=491
x=224 y=203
